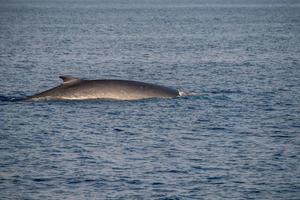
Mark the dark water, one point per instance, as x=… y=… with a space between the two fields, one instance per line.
x=238 y=138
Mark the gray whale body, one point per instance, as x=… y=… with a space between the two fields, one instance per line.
x=78 y=89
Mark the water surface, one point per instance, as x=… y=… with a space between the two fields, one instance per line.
x=238 y=138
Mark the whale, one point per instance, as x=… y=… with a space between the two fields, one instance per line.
x=79 y=89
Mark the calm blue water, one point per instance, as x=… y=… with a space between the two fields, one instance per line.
x=237 y=138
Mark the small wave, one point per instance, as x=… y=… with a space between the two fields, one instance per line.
x=195 y=96
x=227 y=92
x=11 y=99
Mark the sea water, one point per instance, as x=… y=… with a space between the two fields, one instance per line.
x=237 y=137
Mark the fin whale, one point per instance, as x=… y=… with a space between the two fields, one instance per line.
x=79 y=89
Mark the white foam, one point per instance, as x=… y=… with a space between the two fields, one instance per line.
x=182 y=94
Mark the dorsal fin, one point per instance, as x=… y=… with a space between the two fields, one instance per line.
x=68 y=79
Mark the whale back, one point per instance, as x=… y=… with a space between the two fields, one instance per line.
x=77 y=89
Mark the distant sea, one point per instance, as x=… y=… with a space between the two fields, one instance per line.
x=238 y=137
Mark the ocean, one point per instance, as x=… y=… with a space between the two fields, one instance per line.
x=236 y=137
